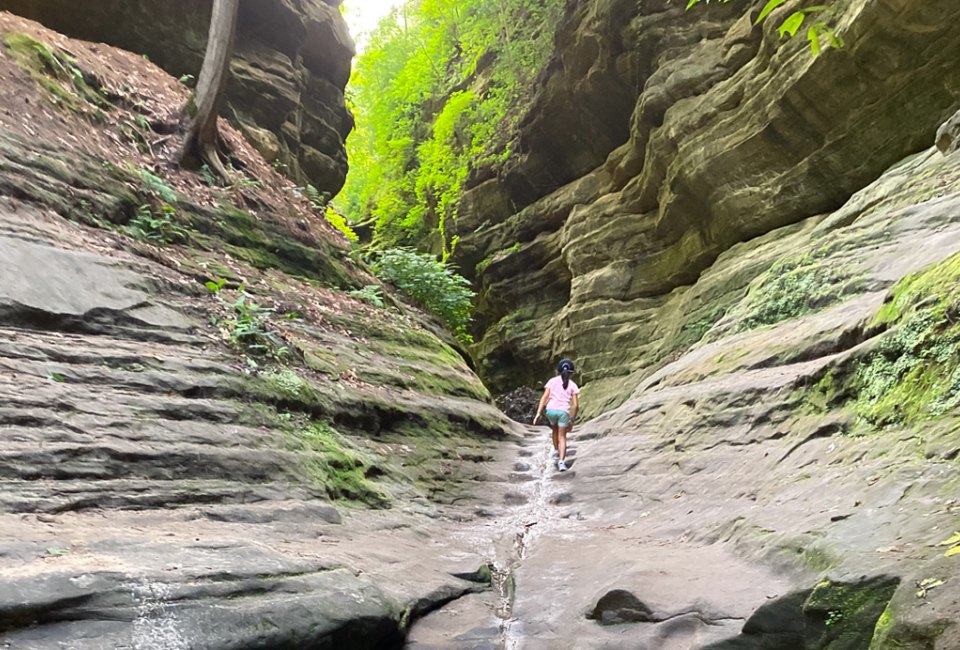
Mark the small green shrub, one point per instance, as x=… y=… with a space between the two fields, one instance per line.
x=208 y=176
x=158 y=229
x=215 y=286
x=248 y=329
x=155 y=186
x=432 y=283
x=370 y=293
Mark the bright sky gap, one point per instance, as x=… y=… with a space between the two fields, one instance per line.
x=363 y=15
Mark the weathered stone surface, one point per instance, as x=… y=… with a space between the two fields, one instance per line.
x=158 y=492
x=291 y=65
x=146 y=484
x=620 y=606
x=162 y=487
x=816 y=528
x=709 y=132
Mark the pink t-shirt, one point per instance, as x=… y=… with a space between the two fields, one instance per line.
x=560 y=398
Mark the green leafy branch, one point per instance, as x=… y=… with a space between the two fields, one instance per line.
x=818 y=32
x=432 y=283
x=247 y=325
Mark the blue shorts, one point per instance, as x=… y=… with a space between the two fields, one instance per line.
x=558 y=418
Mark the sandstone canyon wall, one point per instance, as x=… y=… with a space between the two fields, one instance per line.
x=658 y=139
x=192 y=467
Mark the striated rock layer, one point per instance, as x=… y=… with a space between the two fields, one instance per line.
x=206 y=442
x=660 y=138
x=291 y=65
x=776 y=486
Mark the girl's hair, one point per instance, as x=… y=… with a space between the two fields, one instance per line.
x=565 y=368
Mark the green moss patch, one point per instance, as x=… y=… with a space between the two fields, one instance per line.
x=913 y=372
x=891 y=633
x=329 y=462
x=56 y=73
x=796 y=287
x=844 y=616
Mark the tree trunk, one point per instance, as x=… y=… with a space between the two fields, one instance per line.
x=204 y=107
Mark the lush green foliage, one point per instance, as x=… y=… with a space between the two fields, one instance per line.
x=155 y=220
x=339 y=222
x=435 y=94
x=157 y=226
x=430 y=282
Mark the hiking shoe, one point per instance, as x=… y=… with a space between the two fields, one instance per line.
x=555 y=454
x=561 y=465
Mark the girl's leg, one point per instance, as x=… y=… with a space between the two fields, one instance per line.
x=556 y=434
x=562 y=442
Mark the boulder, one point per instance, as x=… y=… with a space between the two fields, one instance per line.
x=948 y=137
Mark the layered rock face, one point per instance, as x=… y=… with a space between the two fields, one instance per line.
x=291 y=65
x=261 y=462
x=753 y=254
x=659 y=139
x=790 y=481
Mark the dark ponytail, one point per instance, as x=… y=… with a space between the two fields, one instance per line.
x=565 y=368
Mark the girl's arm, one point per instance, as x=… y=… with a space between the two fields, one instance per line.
x=543 y=402
x=574 y=407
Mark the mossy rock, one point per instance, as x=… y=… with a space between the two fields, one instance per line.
x=844 y=616
x=891 y=633
x=796 y=287
x=830 y=616
x=56 y=73
x=330 y=464
x=911 y=373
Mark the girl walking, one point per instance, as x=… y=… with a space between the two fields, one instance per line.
x=561 y=398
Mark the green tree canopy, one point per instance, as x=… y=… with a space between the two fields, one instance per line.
x=436 y=93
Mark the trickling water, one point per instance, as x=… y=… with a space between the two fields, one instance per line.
x=156 y=626
x=511 y=549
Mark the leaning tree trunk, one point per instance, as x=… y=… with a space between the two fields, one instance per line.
x=204 y=107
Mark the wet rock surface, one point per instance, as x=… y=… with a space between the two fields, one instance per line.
x=722 y=505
